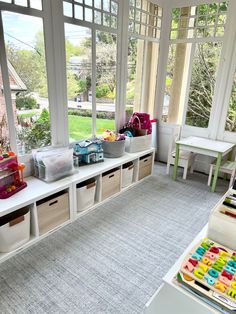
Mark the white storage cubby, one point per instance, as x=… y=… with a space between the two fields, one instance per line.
x=54 y=205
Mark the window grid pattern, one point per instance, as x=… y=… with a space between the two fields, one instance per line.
x=145 y=18
x=202 y=21
x=32 y=4
x=101 y=12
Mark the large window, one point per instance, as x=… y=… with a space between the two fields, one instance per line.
x=106 y=53
x=231 y=116
x=91 y=71
x=24 y=42
x=79 y=74
x=194 y=54
x=145 y=20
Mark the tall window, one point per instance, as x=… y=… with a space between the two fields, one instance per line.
x=231 y=116
x=194 y=54
x=91 y=86
x=24 y=42
x=143 y=46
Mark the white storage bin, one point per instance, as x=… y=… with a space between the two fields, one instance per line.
x=127 y=174
x=221 y=228
x=86 y=194
x=138 y=144
x=53 y=211
x=14 y=230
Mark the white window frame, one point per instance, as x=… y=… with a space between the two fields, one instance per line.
x=146 y=39
x=58 y=129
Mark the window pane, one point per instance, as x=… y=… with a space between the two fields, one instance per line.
x=231 y=116
x=4 y=131
x=205 y=65
x=27 y=67
x=106 y=51
x=176 y=82
x=135 y=66
x=79 y=73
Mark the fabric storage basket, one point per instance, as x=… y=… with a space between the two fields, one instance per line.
x=52 y=211
x=127 y=174
x=110 y=183
x=86 y=194
x=138 y=144
x=145 y=166
x=14 y=230
x=113 y=149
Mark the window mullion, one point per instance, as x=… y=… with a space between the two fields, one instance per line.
x=94 y=79
x=7 y=89
x=122 y=66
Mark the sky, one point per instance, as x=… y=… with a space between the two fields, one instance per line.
x=24 y=28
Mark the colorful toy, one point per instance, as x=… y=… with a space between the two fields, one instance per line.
x=88 y=152
x=11 y=181
x=112 y=136
x=210 y=269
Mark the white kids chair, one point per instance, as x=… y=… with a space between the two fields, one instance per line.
x=227 y=167
x=186 y=159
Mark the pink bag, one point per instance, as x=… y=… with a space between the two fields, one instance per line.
x=141 y=121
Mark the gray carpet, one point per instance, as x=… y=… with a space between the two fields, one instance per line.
x=111 y=260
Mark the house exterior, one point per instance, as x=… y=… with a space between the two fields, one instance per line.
x=16 y=85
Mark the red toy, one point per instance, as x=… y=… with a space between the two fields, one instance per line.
x=11 y=181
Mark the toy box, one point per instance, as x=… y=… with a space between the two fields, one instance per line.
x=210 y=270
x=88 y=152
x=11 y=175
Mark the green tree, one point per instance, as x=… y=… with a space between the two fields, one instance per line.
x=37 y=135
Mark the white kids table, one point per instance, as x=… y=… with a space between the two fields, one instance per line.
x=203 y=146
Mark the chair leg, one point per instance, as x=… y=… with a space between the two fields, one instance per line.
x=210 y=176
x=192 y=168
x=232 y=179
x=168 y=168
x=185 y=171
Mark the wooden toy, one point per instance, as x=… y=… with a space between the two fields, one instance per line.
x=11 y=181
x=210 y=270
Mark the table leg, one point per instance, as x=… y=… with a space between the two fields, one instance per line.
x=176 y=162
x=217 y=168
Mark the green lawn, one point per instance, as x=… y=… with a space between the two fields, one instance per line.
x=81 y=127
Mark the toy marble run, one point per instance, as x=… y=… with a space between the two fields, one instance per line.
x=11 y=175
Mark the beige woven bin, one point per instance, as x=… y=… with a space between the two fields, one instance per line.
x=53 y=212
x=145 y=166
x=110 y=183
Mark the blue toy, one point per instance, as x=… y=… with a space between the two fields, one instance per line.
x=88 y=151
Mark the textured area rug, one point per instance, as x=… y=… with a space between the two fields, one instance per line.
x=113 y=259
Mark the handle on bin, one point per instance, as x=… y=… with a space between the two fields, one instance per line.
x=112 y=175
x=55 y=202
x=91 y=185
x=16 y=221
x=145 y=160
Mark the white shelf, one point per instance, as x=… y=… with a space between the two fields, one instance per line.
x=38 y=190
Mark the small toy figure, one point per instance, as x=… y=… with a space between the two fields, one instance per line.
x=10 y=180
